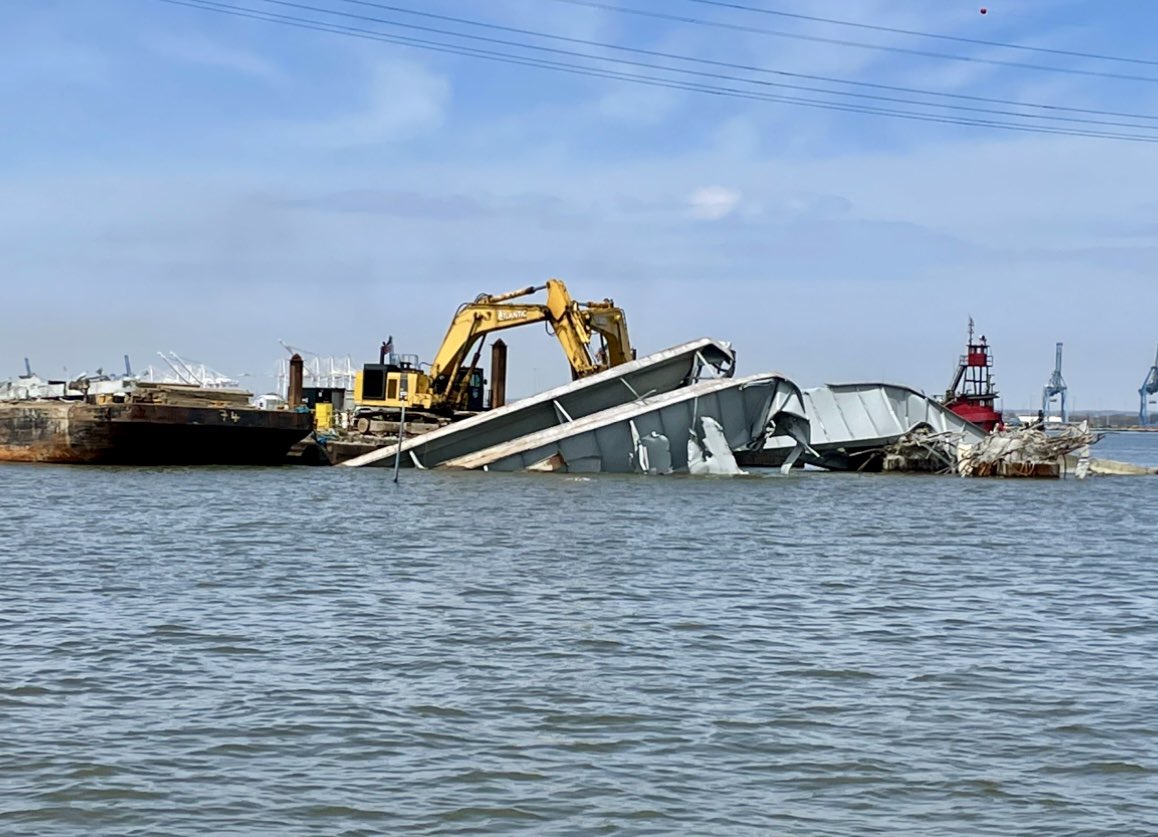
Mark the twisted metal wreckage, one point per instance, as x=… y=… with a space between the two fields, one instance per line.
x=680 y=410
x=887 y=427
x=683 y=411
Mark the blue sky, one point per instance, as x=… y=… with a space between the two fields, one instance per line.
x=174 y=179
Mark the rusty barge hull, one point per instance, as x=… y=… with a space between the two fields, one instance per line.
x=147 y=434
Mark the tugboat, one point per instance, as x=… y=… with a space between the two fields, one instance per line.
x=971 y=394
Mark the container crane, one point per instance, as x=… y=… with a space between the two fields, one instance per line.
x=1056 y=387
x=1149 y=388
x=318 y=372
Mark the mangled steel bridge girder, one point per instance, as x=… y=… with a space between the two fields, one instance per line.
x=661 y=372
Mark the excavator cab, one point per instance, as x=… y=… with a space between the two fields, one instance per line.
x=475 y=389
x=386 y=385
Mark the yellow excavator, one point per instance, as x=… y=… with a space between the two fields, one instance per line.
x=454 y=386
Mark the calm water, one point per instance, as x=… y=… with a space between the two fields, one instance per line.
x=317 y=651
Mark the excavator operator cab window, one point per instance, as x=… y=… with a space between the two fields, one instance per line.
x=474 y=391
x=374 y=381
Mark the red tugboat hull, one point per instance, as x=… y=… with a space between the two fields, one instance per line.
x=984 y=417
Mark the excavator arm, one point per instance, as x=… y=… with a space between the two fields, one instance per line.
x=447 y=386
x=489 y=313
x=472 y=321
x=610 y=323
x=571 y=329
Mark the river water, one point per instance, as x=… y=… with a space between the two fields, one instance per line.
x=318 y=651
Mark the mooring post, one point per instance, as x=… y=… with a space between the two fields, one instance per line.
x=498 y=374
x=293 y=395
x=401 y=430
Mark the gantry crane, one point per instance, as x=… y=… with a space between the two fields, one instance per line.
x=1056 y=387
x=1149 y=388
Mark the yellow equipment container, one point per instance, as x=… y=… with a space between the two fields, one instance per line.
x=323 y=416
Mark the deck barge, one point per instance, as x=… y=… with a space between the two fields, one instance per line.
x=138 y=423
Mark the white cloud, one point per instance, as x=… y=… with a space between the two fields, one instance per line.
x=404 y=100
x=711 y=203
x=206 y=52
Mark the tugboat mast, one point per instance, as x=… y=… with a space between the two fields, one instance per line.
x=971 y=394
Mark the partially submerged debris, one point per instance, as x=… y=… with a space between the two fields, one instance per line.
x=662 y=372
x=712 y=455
x=923 y=450
x=707 y=454
x=851 y=424
x=693 y=429
x=1012 y=452
x=1112 y=468
x=1027 y=452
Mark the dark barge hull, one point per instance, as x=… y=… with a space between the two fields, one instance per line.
x=148 y=434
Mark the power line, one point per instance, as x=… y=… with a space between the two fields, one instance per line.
x=778 y=33
x=645 y=65
x=898 y=31
x=716 y=76
x=734 y=66
x=326 y=26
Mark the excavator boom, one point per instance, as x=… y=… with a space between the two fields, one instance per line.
x=472 y=321
x=491 y=298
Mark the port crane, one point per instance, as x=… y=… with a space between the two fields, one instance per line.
x=453 y=384
x=185 y=371
x=320 y=372
x=1148 y=389
x=1056 y=388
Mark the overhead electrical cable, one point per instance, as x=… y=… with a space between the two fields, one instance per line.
x=735 y=66
x=329 y=27
x=894 y=30
x=682 y=70
x=820 y=39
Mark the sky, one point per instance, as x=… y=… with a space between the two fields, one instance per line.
x=174 y=179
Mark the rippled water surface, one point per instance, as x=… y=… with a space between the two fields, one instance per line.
x=318 y=651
